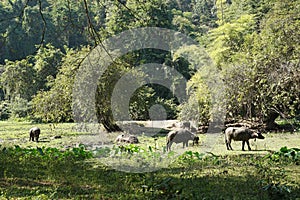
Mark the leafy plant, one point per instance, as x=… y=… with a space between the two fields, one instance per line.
x=76 y=153
x=190 y=157
x=272 y=177
x=292 y=154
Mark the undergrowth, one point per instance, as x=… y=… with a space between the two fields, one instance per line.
x=75 y=173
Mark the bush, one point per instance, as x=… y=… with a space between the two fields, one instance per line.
x=195 y=110
x=4 y=110
x=292 y=154
x=20 y=108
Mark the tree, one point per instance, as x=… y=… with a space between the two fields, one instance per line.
x=122 y=16
x=198 y=106
x=18 y=85
x=46 y=64
x=18 y=80
x=68 y=24
x=229 y=39
x=55 y=105
x=25 y=26
x=14 y=35
x=205 y=15
x=276 y=54
x=261 y=75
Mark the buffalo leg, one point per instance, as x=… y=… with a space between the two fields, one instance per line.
x=243 y=145
x=249 y=148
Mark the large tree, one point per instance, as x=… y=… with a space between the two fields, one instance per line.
x=121 y=16
x=276 y=62
x=55 y=105
x=257 y=51
x=260 y=64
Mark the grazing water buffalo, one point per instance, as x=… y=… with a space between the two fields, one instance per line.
x=240 y=134
x=34 y=133
x=186 y=125
x=181 y=135
x=132 y=139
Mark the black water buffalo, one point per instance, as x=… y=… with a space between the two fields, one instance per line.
x=240 y=134
x=34 y=133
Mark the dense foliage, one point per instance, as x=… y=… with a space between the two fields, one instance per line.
x=254 y=46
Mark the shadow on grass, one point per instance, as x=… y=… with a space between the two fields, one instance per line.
x=249 y=152
x=44 y=141
x=81 y=180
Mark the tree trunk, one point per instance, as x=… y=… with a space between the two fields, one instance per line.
x=109 y=124
x=270 y=121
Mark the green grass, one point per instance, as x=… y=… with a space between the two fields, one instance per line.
x=62 y=169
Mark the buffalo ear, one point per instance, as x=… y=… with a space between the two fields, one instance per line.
x=254 y=135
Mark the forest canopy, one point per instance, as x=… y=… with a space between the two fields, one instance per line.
x=254 y=45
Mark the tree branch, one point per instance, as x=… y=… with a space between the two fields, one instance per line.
x=44 y=25
x=93 y=31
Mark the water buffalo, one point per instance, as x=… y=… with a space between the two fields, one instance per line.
x=181 y=135
x=132 y=139
x=240 y=134
x=34 y=133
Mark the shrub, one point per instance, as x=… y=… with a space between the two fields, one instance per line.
x=20 y=108
x=4 y=110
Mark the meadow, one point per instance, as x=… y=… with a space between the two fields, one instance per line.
x=76 y=166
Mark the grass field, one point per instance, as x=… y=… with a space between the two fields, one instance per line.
x=64 y=169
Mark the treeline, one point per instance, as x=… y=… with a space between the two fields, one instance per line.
x=254 y=45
